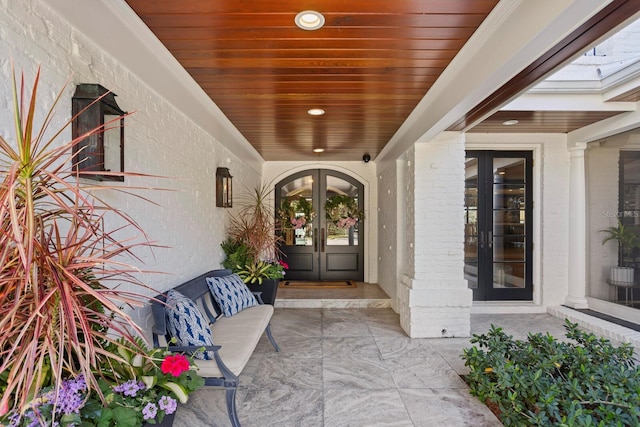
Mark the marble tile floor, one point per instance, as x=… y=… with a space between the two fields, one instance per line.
x=355 y=367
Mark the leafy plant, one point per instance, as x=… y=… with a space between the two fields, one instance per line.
x=143 y=389
x=626 y=238
x=543 y=382
x=258 y=271
x=57 y=318
x=236 y=254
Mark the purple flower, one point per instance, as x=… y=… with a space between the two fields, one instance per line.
x=150 y=411
x=168 y=404
x=70 y=396
x=31 y=416
x=129 y=388
x=14 y=419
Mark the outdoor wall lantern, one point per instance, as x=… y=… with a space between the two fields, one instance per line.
x=224 y=193
x=100 y=153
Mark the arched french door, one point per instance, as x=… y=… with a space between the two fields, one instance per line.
x=322 y=245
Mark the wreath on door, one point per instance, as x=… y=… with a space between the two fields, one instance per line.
x=343 y=211
x=295 y=212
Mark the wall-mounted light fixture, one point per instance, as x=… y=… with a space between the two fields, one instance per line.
x=94 y=107
x=224 y=190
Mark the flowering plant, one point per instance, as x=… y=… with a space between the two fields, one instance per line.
x=142 y=387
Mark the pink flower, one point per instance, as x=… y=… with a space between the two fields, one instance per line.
x=175 y=365
x=298 y=222
x=283 y=264
x=346 y=222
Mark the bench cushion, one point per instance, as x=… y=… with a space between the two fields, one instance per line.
x=238 y=335
x=231 y=294
x=187 y=324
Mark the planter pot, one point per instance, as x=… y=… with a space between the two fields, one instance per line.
x=621 y=276
x=167 y=421
x=269 y=289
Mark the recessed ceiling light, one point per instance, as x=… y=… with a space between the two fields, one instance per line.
x=309 y=20
x=510 y=122
x=318 y=150
x=315 y=112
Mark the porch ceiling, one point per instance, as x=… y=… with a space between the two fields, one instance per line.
x=368 y=68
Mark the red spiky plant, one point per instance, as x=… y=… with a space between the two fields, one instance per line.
x=57 y=317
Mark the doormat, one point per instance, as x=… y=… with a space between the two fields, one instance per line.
x=321 y=285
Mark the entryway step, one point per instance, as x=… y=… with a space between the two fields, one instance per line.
x=332 y=303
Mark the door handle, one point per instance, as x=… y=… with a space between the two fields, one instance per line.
x=490 y=240
x=315 y=239
x=482 y=240
x=322 y=240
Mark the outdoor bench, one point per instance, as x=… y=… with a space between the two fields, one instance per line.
x=234 y=337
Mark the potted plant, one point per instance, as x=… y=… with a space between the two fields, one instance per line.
x=142 y=389
x=58 y=321
x=628 y=241
x=252 y=245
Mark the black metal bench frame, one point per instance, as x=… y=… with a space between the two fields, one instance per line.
x=197 y=290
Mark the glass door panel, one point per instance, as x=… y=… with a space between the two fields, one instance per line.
x=343 y=231
x=296 y=210
x=471 y=222
x=509 y=225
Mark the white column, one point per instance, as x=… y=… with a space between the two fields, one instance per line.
x=434 y=300
x=577 y=228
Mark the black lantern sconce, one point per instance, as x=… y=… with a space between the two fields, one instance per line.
x=94 y=107
x=224 y=193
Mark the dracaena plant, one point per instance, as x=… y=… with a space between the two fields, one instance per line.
x=58 y=319
x=252 y=230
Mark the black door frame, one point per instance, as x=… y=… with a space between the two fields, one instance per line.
x=321 y=261
x=485 y=291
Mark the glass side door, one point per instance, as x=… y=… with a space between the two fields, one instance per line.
x=498 y=206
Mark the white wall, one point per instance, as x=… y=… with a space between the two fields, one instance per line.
x=273 y=172
x=160 y=140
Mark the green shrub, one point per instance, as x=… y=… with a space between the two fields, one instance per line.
x=544 y=382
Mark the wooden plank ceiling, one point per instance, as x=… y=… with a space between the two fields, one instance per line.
x=368 y=67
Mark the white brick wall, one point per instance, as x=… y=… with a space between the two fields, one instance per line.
x=433 y=298
x=160 y=140
x=553 y=247
x=390 y=252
